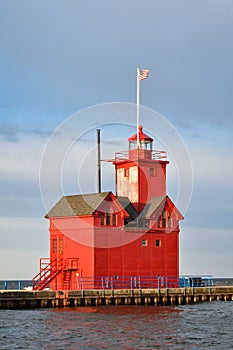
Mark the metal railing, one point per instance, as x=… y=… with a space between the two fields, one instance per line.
x=14 y=284
x=196 y=281
x=127 y=282
x=130 y=282
x=48 y=271
x=141 y=154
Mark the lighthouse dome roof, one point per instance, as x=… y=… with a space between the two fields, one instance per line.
x=142 y=136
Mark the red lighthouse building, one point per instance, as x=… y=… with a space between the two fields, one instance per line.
x=134 y=234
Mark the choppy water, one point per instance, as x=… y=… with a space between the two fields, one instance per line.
x=201 y=326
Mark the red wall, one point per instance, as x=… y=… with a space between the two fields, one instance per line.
x=78 y=241
x=133 y=259
x=123 y=258
x=148 y=186
x=111 y=251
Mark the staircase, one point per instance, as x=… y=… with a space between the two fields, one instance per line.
x=47 y=273
x=67 y=279
x=51 y=269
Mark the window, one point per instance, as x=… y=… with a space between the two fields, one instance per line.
x=159 y=222
x=145 y=145
x=60 y=245
x=126 y=172
x=144 y=243
x=102 y=219
x=164 y=217
x=54 y=245
x=157 y=243
x=108 y=218
x=114 y=219
x=152 y=171
x=57 y=245
x=132 y=145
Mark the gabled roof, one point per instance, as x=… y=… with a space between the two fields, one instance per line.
x=128 y=206
x=157 y=204
x=87 y=204
x=77 y=205
x=152 y=206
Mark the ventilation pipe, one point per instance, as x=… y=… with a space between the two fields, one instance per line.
x=98 y=161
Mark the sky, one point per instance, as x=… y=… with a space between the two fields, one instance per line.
x=67 y=66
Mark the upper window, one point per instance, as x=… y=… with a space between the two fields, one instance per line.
x=158 y=222
x=126 y=172
x=102 y=218
x=152 y=171
x=164 y=219
x=114 y=219
x=108 y=219
x=144 y=243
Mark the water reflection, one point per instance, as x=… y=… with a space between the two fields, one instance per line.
x=121 y=310
x=128 y=327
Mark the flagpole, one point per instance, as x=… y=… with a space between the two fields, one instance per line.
x=138 y=104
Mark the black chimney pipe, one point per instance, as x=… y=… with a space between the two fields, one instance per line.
x=98 y=161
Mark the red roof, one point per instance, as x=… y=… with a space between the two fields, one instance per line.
x=142 y=136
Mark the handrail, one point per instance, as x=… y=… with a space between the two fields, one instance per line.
x=141 y=154
x=196 y=281
x=46 y=273
x=141 y=282
x=50 y=269
x=127 y=282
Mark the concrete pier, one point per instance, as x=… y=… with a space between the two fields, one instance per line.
x=20 y=299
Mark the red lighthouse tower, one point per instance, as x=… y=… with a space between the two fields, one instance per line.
x=140 y=171
x=101 y=236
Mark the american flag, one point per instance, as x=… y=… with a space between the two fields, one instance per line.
x=143 y=74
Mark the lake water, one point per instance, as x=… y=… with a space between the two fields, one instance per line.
x=206 y=325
